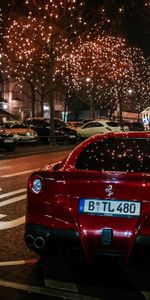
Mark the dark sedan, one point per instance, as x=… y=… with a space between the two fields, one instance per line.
x=7 y=141
x=63 y=132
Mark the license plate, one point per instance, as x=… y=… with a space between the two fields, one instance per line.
x=109 y=207
x=8 y=141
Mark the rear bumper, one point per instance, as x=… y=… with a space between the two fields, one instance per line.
x=143 y=242
x=90 y=241
x=43 y=240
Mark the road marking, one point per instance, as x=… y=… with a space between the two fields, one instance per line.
x=2 y=216
x=9 y=201
x=47 y=291
x=55 y=292
x=11 y=224
x=5 y=167
x=15 y=222
x=12 y=193
x=18 y=262
x=18 y=173
x=67 y=286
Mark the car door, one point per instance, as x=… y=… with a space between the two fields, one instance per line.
x=113 y=125
x=91 y=128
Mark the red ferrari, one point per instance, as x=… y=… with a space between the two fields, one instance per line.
x=96 y=200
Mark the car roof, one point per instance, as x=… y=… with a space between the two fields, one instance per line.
x=101 y=121
x=109 y=121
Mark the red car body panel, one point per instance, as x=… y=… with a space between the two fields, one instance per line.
x=57 y=206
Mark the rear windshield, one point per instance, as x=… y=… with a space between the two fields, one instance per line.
x=115 y=154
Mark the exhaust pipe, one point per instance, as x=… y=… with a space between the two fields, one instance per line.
x=39 y=242
x=29 y=239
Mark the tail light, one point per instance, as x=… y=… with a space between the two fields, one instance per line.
x=36 y=184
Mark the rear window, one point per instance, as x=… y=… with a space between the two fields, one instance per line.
x=115 y=154
x=93 y=124
x=39 y=123
x=112 y=124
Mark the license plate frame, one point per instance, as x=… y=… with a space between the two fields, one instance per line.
x=110 y=207
x=7 y=141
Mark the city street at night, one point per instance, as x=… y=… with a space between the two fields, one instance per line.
x=75 y=150
x=24 y=275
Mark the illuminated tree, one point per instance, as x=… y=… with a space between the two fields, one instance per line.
x=106 y=68
x=46 y=34
x=36 y=39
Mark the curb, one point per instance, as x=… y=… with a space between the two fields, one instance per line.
x=48 y=149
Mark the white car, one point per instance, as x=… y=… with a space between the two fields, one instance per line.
x=99 y=126
x=20 y=132
x=114 y=125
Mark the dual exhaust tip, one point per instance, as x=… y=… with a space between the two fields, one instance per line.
x=38 y=242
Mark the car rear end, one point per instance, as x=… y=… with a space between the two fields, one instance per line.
x=100 y=205
x=7 y=140
x=104 y=214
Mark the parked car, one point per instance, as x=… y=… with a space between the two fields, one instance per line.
x=7 y=140
x=75 y=124
x=95 y=201
x=21 y=132
x=91 y=128
x=114 y=125
x=63 y=132
x=99 y=126
x=135 y=126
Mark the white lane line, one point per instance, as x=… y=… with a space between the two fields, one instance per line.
x=9 y=201
x=18 y=173
x=68 y=286
x=5 y=167
x=18 y=262
x=2 y=216
x=11 y=224
x=47 y=291
x=12 y=193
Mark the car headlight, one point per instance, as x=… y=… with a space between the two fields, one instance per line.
x=33 y=133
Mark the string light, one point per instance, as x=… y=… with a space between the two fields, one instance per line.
x=42 y=42
x=105 y=65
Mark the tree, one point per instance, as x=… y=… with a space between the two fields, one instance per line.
x=37 y=39
x=42 y=34
x=106 y=67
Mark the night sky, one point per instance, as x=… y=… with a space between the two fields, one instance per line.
x=137 y=27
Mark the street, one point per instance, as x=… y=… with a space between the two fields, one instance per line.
x=24 y=275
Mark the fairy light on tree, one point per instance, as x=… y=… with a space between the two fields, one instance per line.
x=39 y=41
x=106 y=68
x=40 y=36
